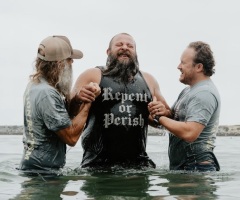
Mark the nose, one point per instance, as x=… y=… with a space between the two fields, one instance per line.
x=124 y=46
x=179 y=66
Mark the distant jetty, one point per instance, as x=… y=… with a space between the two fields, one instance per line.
x=228 y=130
x=223 y=130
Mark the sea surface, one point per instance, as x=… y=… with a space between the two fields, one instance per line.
x=119 y=184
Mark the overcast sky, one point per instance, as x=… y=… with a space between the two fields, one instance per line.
x=161 y=28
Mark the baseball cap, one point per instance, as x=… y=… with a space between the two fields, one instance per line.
x=75 y=54
x=56 y=48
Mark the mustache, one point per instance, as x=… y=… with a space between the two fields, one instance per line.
x=122 y=71
x=113 y=59
x=125 y=52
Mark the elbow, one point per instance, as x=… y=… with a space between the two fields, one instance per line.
x=71 y=140
x=71 y=143
x=189 y=138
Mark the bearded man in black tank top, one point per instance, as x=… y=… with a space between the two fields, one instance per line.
x=116 y=129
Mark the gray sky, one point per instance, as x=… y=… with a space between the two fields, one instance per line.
x=162 y=29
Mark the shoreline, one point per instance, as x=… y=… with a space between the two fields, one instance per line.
x=223 y=130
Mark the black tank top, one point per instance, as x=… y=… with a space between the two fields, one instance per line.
x=116 y=129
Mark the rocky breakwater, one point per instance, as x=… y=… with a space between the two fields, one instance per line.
x=11 y=130
x=223 y=130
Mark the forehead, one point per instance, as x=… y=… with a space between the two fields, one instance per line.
x=188 y=54
x=123 y=38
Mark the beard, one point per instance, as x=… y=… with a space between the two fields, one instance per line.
x=65 y=81
x=187 y=78
x=122 y=70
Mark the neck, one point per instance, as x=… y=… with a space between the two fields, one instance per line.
x=202 y=78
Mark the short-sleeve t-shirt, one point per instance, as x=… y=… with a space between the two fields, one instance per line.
x=44 y=114
x=199 y=103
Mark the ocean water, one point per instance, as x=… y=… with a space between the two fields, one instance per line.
x=120 y=184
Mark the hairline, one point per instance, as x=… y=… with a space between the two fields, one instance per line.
x=111 y=41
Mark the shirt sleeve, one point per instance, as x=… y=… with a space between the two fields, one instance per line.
x=53 y=111
x=201 y=107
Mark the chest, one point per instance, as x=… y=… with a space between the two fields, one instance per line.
x=136 y=91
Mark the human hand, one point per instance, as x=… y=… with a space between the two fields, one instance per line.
x=156 y=108
x=97 y=89
x=88 y=93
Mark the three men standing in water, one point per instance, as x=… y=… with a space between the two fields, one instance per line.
x=117 y=120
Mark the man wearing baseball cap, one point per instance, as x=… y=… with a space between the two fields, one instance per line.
x=48 y=127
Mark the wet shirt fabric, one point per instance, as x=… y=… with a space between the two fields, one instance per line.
x=117 y=126
x=200 y=103
x=44 y=113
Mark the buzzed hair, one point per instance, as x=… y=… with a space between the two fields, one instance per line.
x=110 y=43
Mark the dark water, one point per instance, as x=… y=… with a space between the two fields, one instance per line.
x=120 y=184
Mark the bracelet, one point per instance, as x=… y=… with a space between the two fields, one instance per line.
x=156 y=121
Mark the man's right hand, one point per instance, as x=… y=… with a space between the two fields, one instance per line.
x=88 y=93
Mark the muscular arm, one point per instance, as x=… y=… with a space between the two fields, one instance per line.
x=159 y=103
x=85 y=91
x=199 y=111
x=82 y=91
x=188 y=131
x=71 y=134
x=90 y=75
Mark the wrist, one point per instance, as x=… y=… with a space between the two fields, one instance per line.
x=156 y=120
x=76 y=100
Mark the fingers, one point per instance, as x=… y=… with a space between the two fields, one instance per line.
x=153 y=102
x=96 y=87
x=88 y=93
x=85 y=95
x=157 y=108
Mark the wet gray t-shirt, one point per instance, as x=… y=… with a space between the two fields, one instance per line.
x=44 y=114
x=199 y=103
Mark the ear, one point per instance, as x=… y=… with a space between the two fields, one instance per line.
x=108 y=51
x=199 y=67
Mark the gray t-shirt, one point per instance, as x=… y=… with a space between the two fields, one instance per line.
x=200 y=103
x=44 y=114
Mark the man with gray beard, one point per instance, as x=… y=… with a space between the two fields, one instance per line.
x=117 y=125
x=47 y=125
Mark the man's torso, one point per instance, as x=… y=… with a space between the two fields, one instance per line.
x=117 y=126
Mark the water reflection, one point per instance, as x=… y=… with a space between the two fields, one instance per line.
x=120 y=184
x=116 y=185
x=144 y=185
x=39 y=188
x=190 y=185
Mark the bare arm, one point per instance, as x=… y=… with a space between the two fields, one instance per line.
x=90 y=75
x=71 y=134
x=159 y=105
x=188 y=131
x=83 y=91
